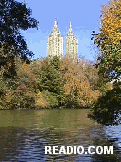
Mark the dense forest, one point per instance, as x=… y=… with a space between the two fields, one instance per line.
x=54 y=83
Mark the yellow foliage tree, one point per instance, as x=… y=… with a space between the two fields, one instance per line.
x=76 y=82
x=111 y=21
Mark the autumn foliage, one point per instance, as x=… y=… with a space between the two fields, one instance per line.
x=111 y=21
x=79 y=82
x=108 y=41
x=50 y=83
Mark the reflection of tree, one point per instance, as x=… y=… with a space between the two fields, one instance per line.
x=18 y=144
x=48 y=129
x=102 y=141
x=9 y=139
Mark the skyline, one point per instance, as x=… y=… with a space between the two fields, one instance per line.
x=84 y=16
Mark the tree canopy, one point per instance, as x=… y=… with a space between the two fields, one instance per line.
x=108 y=40
x=15 y=16
x=107 y=108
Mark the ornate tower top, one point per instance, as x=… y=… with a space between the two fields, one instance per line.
x=55 y=23
x=55 y=28
x=70 y=28
x=70 y=32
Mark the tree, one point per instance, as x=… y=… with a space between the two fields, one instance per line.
x=107 y=108
x=108 y=40
x=78 y=83
x=111 y=21
x=14 y=17
x=50 y=80
x=109 y=60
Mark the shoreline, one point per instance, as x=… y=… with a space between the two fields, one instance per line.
x=57 y=108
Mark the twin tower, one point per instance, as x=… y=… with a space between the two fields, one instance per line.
x=55 y=44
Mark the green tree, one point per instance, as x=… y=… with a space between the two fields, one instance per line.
x=50 y=78
x=14 y=17
x=109 y=59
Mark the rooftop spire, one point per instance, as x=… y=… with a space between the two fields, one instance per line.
x=70 y=27
x=55 y=23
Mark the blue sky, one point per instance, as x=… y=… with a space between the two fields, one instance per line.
x=84 y=15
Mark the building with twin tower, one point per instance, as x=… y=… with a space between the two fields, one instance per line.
x=55 y=44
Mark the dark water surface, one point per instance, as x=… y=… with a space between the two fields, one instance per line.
x=25 y=133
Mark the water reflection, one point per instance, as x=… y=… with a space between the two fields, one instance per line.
x=114 y=136
x=24 y=135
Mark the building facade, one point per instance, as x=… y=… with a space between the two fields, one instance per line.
x=55 y=43
x=71 y=45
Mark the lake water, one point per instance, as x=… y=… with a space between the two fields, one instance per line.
x=25 y=133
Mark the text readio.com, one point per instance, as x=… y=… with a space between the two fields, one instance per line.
x=78 y=150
